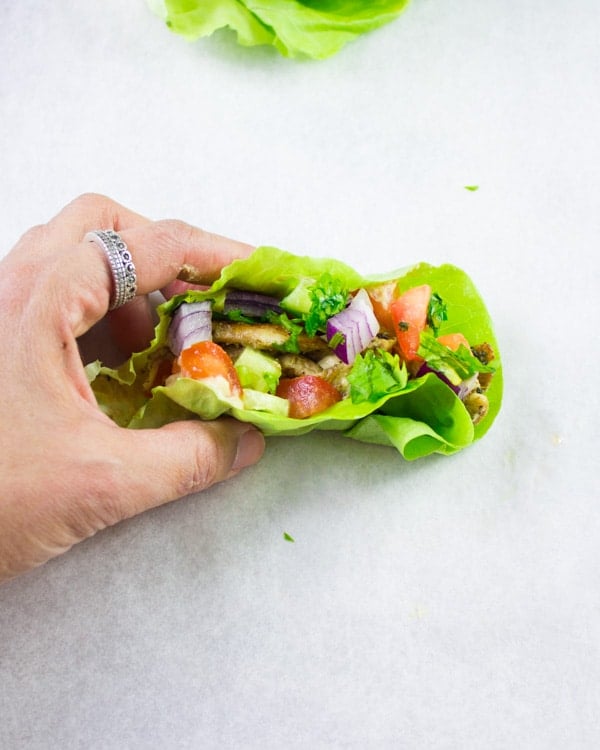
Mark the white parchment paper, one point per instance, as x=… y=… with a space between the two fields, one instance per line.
x=449 y=603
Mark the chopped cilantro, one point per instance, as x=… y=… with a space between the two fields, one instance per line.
x=376 y=374
x=328 y=297
x=336 y=340
x=437 y=312
x=237 y=316
x=456 y=365
x=472 y=188
x=287 y=537
x=293 y=327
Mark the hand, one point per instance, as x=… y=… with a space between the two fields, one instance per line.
x=66 y=470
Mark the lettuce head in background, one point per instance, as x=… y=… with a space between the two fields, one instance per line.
x=417 y=413
x=296 y=28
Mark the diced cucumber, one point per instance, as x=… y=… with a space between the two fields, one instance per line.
x=257 y=370
x=299 y=300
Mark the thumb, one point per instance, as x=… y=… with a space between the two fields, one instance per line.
x=181 y=458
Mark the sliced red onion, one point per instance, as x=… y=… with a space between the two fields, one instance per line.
x=425 y=370
x=191 y=323
x=462 y=390
x=356 y=326
x=252 y=304
x=467 y=386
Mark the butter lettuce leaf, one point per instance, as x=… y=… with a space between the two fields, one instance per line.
x=296 y=28
x=417 y=416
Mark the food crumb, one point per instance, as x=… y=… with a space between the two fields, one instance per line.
x=556 y=439
x=287 y=537
x=472 y=188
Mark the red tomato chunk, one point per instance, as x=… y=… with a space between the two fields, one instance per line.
x=409 y=313
x=208 y=360
x=308 y=395
x=454 y=341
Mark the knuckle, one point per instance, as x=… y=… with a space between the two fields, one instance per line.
x=176 y=232
x=35 y=237
x=88 y=206
x=91 y=201
x=207 y=459
x=99 y=502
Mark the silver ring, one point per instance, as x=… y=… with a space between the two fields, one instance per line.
x=121 y=265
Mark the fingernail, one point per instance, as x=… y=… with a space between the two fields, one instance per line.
x=251 y=446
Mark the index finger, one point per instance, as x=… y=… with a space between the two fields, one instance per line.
x=165 y=253
x=161 y=251
x=78 y=273
x=69 y=226
x=169 y=249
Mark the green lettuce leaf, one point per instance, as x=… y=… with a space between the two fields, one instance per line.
x=417 y=417
x=296 y=28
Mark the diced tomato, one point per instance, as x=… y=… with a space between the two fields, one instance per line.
x=381 y=297
x=307 y=394
x=453 y=341
x=409 y=313
x=208 y=360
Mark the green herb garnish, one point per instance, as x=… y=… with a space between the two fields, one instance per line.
x=437 y=312
x=375 y=374
x=287 y=537
x=456 y=365
x=336 y=340
x=293 y=327
x=328 y=297
x=237 y=316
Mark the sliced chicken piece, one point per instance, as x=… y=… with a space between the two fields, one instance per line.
x=485 y=354
x=382 y=342
x=337 y=376
x=477 y=405
x=265 y=336
x=295 y=365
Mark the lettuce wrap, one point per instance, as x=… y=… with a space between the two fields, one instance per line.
x=296 y=28
x=416 y=414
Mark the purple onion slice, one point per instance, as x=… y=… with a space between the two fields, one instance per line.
x=462 y=390
x=425 y=369
x=350 y=331
x=191 y=323
x=251 y=304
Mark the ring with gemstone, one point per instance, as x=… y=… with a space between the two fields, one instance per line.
x=121 y=265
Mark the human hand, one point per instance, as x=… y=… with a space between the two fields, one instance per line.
x=66 y=470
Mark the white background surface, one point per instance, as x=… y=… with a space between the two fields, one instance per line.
x=449 y=603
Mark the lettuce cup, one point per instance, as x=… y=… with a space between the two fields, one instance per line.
x=292 y=344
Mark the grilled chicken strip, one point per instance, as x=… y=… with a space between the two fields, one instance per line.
x=485 y=354
x=265 y=336
x=295 y=365
x=477 y=404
